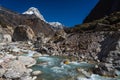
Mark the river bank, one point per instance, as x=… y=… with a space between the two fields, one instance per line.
x=21 y=61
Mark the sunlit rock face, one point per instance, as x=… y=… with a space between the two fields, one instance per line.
x=103 y=8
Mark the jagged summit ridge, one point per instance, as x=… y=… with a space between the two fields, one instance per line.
x=56 y=24
x=35 y=11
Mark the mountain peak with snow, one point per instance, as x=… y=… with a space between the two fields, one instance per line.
x=35 y=11
x=57 y=25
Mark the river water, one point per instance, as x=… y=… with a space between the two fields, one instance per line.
x=53 y=68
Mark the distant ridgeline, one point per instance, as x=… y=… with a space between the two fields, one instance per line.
x=103 y=8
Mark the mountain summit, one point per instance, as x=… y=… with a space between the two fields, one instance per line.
x=36 y=12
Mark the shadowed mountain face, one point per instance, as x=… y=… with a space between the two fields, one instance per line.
x=103 y=8
x=13 y=19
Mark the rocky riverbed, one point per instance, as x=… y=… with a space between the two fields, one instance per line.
x=21 y=61
x=13 y=64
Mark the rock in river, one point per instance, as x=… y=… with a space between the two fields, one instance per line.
x=15 y=69
x=28 y=61
x=35 y=73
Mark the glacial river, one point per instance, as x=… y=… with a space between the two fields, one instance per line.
x=53 y=68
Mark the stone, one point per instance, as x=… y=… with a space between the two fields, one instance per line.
x=38 y=42
x=30 y=43
x=28 y=61
x=105 y=69
x=7 y=38
x=84 y=73
x=8 y=57
x=35 y=73
x=36 y=55
x=15 y=69
x=27 y=73
x=66 y=61
x=34 y=78
x=26 y=78
x=2 y=71
x=29 y=70
x=1 y=54
x=109 y=66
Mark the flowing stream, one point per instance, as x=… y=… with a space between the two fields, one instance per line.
x=53 y=68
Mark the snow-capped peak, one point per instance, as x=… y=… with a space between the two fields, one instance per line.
x=56 y=25
x=36 y=12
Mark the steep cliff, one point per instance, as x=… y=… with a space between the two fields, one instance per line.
x=103 y=8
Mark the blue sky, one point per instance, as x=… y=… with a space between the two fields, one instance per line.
x=68 y=12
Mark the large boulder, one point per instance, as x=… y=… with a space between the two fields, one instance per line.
x=23 y=33
x=28 y=61
x=15 y=69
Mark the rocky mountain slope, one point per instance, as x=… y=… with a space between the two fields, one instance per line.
x=103 y=8
x=11 y=19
